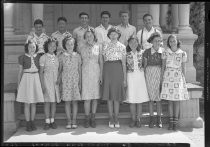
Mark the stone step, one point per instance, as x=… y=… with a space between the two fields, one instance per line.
x=101 y=118
x=101 y=108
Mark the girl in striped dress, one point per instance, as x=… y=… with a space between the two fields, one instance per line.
x=174 y=85
x=152 y=66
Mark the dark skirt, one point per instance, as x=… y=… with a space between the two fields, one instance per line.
x=113 y=86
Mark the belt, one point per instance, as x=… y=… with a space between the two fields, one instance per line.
x=32 y=72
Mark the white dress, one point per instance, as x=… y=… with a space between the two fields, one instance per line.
x=136 y=85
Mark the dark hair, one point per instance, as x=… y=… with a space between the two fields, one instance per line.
x=92 y=31
x=69 y=38
x=62 y=19
x=83 y=13
x=27 y=44
x=46 y=44
x=145 y=15
x=38 y=21
x=178 y=41
x=105 y=12
x=128 y=49
x=153 y=35
x=123 y=11
x=114 y=29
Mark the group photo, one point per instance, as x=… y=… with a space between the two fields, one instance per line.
x=72 y=68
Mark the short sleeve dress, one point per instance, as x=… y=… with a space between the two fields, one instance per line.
x=50 y=64
x=70 y=76
x=30 y=90
x=174 y=84
x=90 y=72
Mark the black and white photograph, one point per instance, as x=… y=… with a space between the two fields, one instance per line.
x=126 y=74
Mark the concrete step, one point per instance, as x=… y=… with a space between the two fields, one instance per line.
x=101 y=108
x=101 y=118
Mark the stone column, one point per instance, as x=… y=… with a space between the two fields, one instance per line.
x=175 y=17
x=163 y=15
x=154 y=10
x=37 y=13
x=8 y=18
x=184 y=17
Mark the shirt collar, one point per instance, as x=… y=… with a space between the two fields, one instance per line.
x=176 y=52
x=127 y=26
x=154 y=51
x=53 y=55
x=109 y=26
x=81 y=28
x=152 y=29
x=63 y=33
x=34 y=55
x=38 y=36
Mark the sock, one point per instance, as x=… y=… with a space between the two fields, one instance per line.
x=47 y=121
x=52 y=120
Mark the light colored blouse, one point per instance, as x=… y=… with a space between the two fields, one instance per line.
x=174 y=59
x=114 y=51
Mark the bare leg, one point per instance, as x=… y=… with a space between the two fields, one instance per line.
x=151 y=104
x=159 y=108
x=116 y=110
x=27 y=111
x=33 y=111
x=139 y=110
x=133 y=111
x=75 y=109
x=110 y=108
x=94 y=106
x=53 y=109
x=68 y=110
x=87 y=107
x=47 y=110
x=170 y=108
x=176 y=109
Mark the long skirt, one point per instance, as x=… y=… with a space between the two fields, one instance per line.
x=113 y=81
x=174 y=85
x=30 y=90
x=136 y=87
x=153 y=76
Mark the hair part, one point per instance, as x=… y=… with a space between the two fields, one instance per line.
x=173 y=36
x=64 y=41
x=27 y=44
x=62 y=19
x=38 y=21
x=83 y=13
x=105 y=13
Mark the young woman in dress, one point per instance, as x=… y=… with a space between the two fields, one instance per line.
x=136 y=86
x=91 y=75
x=48 y=75
x=174 y=85
x=114 y=75
x=29 y=86
x=70 y=76
x=153 y=70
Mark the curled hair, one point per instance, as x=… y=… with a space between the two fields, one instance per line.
x=128 y=49
x=105 y=12
x=62 y=18
x=153 y=35
x=38 y=21
x=92 y=31
x=27 y=44
x=46 y=44
x=83 y=13
x=114 y=29
x=178 y=41
x=64 y=41
x=145 y=15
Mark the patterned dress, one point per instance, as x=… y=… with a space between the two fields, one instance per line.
x=50 y=64
x=136 y=87
x=70 y=76
x=174 y=84
x=90 y=72
x=153 y=63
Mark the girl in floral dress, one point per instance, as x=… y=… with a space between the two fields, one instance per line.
x=174 y=85
x=48 y=75
x=29 y=86
x=70 y=76
x=91 y=75
x=136 y=87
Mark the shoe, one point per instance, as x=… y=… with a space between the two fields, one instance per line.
x=68 y=126
x=87 y=121
x=159 y=122
x=170 y=127
x=28 y=126
x=132 y=123
x=111 y=122
x=175 y=124
x=46 y=126
x=74 y=124
x=92 y=121
x=138 y=123
x=117 y=125
x=151 y=123
x=53 y=125
x=33 y=127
